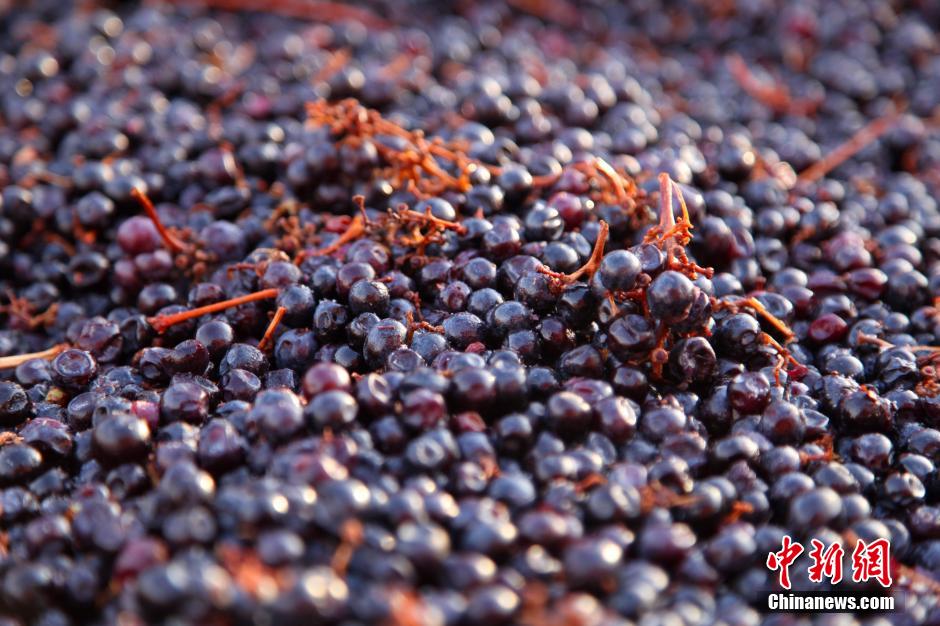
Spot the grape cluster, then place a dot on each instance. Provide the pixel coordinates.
(464, 313)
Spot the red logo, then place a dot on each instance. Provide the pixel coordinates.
(783, 559)
(870, 561)
(826, 563)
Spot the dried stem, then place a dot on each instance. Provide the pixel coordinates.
(828, 451)
(875, 341)
(169, 239)
(672, 236)
(354, 231)
(429, 327)
(20, 309)
(18, 359)
(597, 255)
(415, 163)
(739, 508)
(589, 482)
(8, 438)
(436, 222)
(785, 356)
(866, 135)
(620, 189)
(656, 495)
(407, 609)
(667, 221)
(667, 230)
(557, 11)
(332, 65)
(161, 322)
(250, 574)
(776, 322)
(318, 10)
(396, 66)
(350, 538)
(545, 180)
(614, 187)
(659, 356)
(592, 264)
(929, 386)
(777, 96)
(269, 333)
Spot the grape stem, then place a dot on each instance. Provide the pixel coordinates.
(589, 268)
(318, 10)
(335, 63)
(169, 239)
(929, 386)
(161, 322)
(775, 321)
(615, 179)
(269, 333)
(412, 161)
(866, 135)
(350, 538)
(668, 230)
(437, 222)
(777, 97)
(356, 229)
(557, 12)
(18, 359)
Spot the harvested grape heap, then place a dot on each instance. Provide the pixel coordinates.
(460, 314)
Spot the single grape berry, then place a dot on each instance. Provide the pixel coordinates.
(619, 270)
(670, 297)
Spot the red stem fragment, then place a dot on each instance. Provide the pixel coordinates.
(250, 574)
(776, 322)
(929, 386)
(592, 264)
(414, 162)
(866, 135)
(18, 359)
(668, 230)
(334, 64)
(672, 236)
(396, 66)
(556, 12)
(169, 239)
(784, 355)
(545, 180)
(161, 322)
(318, 10)
(667, 221)
(350, 539)
(739, 508)
(426, 217)
(777, 97)
(659, 356)
(875, 341)
(356, 228)
(615, 179)
(269, 333)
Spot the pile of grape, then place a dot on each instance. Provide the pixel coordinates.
(461, 313)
